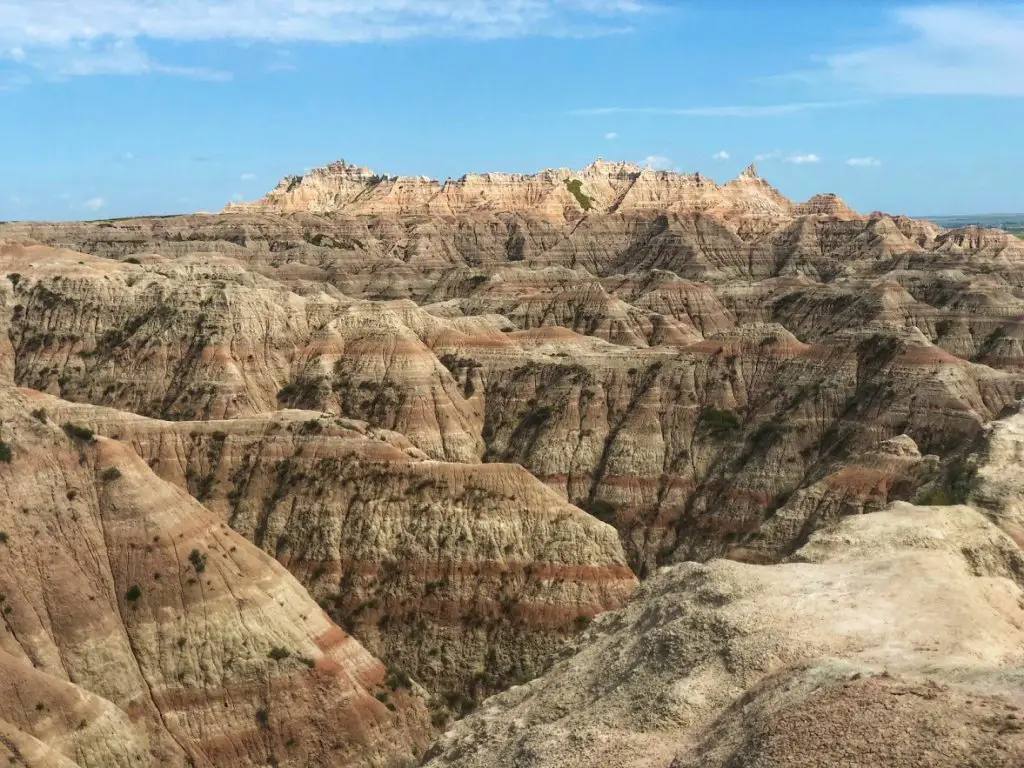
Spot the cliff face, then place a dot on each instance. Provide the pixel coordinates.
(467, 577)
(894, 639)
(555, 194)
(674, 375)
(139, 629)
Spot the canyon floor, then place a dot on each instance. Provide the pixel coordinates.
(610, 467)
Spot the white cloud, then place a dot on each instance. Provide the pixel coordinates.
(84, 37)
(611, 136)
(127, 156)
(768, 110)
(803, 159)
(94, 204)
(723, 155)
(248, 177)
(775, 155)
(945, 49)
(657, 161)
(863, 162)
(100, 56)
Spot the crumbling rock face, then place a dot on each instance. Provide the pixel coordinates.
(684, 415)
(194, 339)
(893, 639)
(467, 577)
(554, 194)
(676, 356)
(425, 401)
(138, 629)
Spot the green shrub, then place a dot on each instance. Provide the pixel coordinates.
(133, 594)
(279, 654)
(39, 414)
(719, 421)
(4, 537)
(110, 474)
(198, 560)
(576, 188)
(768, 433)
(603, 510)
(398, 678)
(5, 453)
(935, 497)
(954, 487)
(75, 432)
(311, 427)
(537, 417)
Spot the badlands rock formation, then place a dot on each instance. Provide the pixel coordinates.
(464, 417)
(467, 577)
(558, 194)
(893, 639)
(139, 629)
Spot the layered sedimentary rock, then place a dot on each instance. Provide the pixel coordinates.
(205, 339)
(893, 639)
(139, 629)
(684, 414)
(466, 577)
(677, 356)
(417, 397)
(557, 194)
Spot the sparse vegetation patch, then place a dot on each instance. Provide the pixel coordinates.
(575, 186)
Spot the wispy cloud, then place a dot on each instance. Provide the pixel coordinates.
(803, 159)
(611, 136)
(248, 177)
(89, 37)
(748, 111)
(94, 204)
(942, 49)
(723, 155)
(863, 162)
(659, 162)
(774, 155)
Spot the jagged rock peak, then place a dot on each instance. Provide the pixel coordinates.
(827, 205)
(750, 172)
(555, 193)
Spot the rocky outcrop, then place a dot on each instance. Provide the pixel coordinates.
(555, 194)
(465, 577)
(139, 629)
(203, 338)
(892, 639)
(684, 415)
(425, 403)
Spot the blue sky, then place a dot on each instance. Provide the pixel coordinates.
(131, 107)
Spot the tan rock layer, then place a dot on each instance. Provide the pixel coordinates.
(465, 576)
(141, 630)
